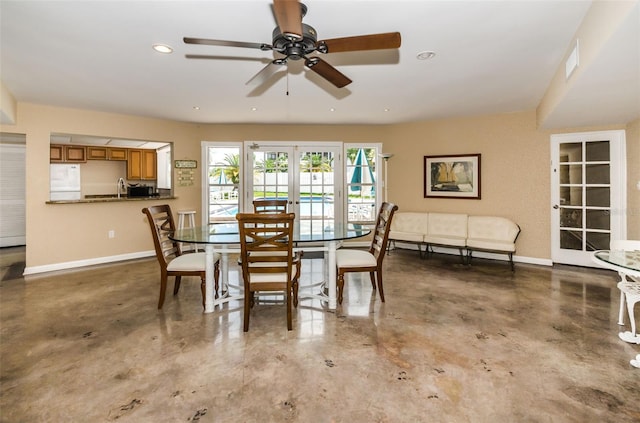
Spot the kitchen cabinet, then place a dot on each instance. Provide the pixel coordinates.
(67, 154)
(117, 153)
(97, 153)
(141, 164)
(56, 153)
(106, 153)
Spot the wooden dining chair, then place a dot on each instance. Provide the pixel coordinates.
(266, 251)
(170, 257)
(350, 260)
(270, 206)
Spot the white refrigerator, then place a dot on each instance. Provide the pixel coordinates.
(65, 182)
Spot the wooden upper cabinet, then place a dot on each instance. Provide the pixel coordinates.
(56, 154)
(67, 153)
(106, 153)
(149, 164)
(97, 153)
(141, 164)
(114, 153)
(134, 164)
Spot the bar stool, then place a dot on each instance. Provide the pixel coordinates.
(187, 217)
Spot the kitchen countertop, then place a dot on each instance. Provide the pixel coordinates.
(111, 199)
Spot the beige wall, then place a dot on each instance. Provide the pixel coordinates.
(515, 173)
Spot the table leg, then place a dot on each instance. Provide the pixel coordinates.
(331, 274)
(209, 272)
(224, 271)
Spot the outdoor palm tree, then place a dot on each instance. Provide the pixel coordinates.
(231, 168)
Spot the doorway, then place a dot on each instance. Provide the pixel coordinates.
(588, 194)
(309, 176)
(12, 189)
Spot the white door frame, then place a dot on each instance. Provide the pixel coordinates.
(618, 182)
(294, 148)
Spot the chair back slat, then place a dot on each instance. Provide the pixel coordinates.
(381, 231)
(162, 225)
(269, 206)
(266, 243)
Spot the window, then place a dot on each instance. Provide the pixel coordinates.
(222, 180)
(361, 182)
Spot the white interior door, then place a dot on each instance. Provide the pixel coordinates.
(12, 193)
(588, 194)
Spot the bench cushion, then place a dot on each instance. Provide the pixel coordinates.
(447, 225)
(492, 233)
(408, 226)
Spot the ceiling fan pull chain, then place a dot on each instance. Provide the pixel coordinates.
(287, 80)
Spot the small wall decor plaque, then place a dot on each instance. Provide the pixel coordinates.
(185, 164)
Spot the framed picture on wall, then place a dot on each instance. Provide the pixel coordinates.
(456, 176)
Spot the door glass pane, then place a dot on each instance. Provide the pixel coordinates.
(316, 189)
(597, 151)
(223, 170)
(571, 196)
(571, 152)
(598, 241)
(597, 174)
(570, 218)
(598, 196)
(361, 182)
(270, 174)
(571, 240)
(598, 219)
(571, 174)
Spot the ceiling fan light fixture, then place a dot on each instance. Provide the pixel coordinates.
(162, 48)
(425, 55)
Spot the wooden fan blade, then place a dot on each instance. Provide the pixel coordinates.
(361, 42)
(266, 72)
(225, 43)
(327, 71)
(289, 17)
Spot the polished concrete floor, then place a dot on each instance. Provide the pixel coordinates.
(451, 344)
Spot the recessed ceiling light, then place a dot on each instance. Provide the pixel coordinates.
(196, 108)
(331, 109)
(425, 55)
(162, 48)
(253, 109)
(386, 109)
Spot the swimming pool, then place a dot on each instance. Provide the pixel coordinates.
(309, 206)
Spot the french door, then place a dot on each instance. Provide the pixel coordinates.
(309, 176)
(588, 194)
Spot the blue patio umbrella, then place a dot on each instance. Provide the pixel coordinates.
(222, 178)
(362, 173)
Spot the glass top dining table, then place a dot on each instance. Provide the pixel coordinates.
(225, 238)
(623, 261)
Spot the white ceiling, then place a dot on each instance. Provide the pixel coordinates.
(491, 57)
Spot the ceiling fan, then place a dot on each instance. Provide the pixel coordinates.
(295, 41)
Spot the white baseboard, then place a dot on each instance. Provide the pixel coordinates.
(32, 270)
